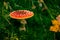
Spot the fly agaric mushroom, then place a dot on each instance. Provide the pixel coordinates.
(21, 15)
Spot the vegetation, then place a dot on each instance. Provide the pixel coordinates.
(37, 27)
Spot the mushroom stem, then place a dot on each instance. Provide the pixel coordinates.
(23, 22)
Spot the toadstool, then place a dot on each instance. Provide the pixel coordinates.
(21, 15)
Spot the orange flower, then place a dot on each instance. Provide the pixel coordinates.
(55, 22)
(58, 19)
(54, 28)
(59, 29)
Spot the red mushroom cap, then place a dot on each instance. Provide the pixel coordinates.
(21, 14)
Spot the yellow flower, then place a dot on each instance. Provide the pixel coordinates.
(54, 28)
(55, 22)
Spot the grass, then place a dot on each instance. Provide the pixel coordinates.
(37, 27)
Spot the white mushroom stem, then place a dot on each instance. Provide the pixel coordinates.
(23, 22)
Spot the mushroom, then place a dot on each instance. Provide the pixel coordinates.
(21, 15)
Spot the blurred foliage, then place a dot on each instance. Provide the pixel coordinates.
(37, 26)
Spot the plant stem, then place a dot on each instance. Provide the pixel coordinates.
(54, 36)
(48, 10)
